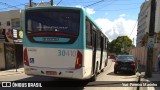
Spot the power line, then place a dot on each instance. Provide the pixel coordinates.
(79, 2)
(5, 4)
(94, 3)
(133, 28)
(14, 6)
(128, 4)
(113, 1)
(59, 2)
(118, 9)
(108, 4)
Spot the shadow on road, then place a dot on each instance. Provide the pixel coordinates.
(56, 83)
(120, 74)
(67, 84)
(45, 88)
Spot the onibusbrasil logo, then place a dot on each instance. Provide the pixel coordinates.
(20, 84)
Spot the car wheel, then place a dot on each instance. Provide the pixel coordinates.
(133, 72)
(115, 71)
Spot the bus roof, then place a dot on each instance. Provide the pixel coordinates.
(47, 7)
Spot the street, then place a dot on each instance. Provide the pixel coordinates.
(42, 41)
(106, 80)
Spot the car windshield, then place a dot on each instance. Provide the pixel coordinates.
(129, 58)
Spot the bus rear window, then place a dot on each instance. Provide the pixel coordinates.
(52, 25)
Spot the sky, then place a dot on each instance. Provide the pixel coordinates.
(114, 17)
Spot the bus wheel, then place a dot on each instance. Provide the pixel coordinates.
(94, 78)
(106, 62)
(103, 70)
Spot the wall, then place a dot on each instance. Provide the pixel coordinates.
(157, 18)
(141, 54)
(7, 59)
(2, 59)
(143, 22)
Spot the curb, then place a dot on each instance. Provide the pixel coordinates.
(11, 72)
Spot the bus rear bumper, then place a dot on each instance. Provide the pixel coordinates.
(59, 73)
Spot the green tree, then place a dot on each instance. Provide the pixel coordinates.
(120, 42)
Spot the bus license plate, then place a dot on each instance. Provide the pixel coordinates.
(51, 72)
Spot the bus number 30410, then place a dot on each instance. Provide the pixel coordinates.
(67, 53)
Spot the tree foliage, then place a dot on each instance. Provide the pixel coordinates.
(120, 42)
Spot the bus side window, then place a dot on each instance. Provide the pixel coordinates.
(88, 34)
(98, 39)
(106, 45)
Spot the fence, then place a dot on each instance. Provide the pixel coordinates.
(141, 54)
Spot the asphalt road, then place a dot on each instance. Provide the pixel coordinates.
(106, 80)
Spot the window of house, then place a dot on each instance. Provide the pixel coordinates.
(8, 23)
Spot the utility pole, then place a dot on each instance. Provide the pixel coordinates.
(30, 3)
(51, 2)
(148, 71)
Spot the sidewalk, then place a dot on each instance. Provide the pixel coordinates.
(155, 77)
(11, 72)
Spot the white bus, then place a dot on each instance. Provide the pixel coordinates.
(63, 42)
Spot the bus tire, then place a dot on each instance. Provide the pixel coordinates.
(103, 69)
(106, 62)
(94, 78)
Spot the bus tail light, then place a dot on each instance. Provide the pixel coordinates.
(25, 57)
(78, 60)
